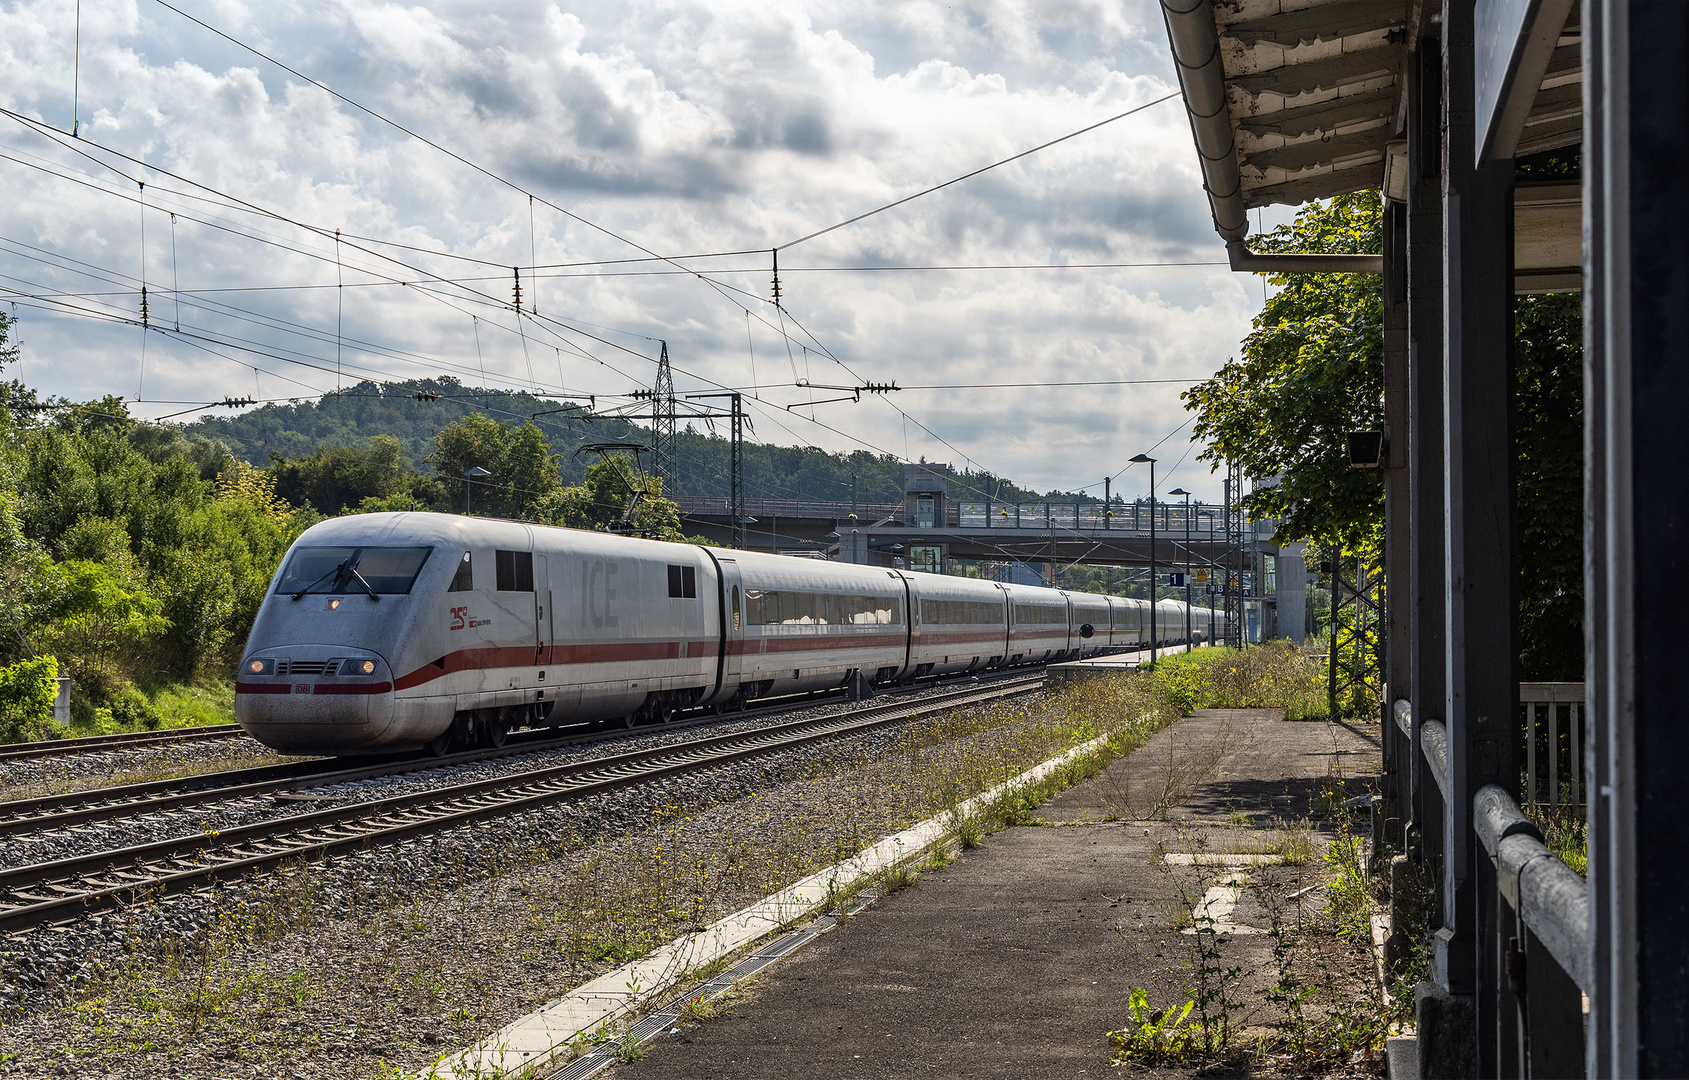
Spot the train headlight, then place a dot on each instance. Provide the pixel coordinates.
(367, 667)
(333, 603)
(260, 667)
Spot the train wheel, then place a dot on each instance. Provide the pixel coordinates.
(440, 743)
(497, 732)
(665, 713)
(630, 720)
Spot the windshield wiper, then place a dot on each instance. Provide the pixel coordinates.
(300, 595)
(370, 589)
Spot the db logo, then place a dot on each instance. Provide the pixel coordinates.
(301, 688)
(459, 615)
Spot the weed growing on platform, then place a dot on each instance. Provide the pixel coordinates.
(1152, 1036)
(1274, 674)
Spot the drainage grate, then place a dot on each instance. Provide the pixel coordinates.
(583, 1067)
(655, 1024)
(786, 944)
(745, 968)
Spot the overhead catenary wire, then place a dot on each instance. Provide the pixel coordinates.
(485, 298)
(533, 253)
(970, 175)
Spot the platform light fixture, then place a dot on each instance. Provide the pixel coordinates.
(1142, 459)
(475, 473)
(1187, 495)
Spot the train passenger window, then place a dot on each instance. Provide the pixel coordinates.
(961, 611)
(464, 579)
(736, 623)
(515, 570)
(771, 607)
(683, 582)
(1040, 615)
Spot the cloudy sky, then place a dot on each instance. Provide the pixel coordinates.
(603, 133)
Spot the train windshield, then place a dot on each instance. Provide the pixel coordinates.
(352, 570)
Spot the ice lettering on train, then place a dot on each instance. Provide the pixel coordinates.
(599, 593)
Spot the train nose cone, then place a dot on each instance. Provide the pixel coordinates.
(303, 700)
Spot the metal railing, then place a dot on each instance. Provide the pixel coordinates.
(722, 506)
(1560, 761)
(1541, 944)
(1206, 522)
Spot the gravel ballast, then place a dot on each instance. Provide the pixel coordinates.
(392, 958)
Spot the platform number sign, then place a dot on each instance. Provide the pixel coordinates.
(1176, 580)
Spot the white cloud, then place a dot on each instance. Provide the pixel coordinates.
(680, 125)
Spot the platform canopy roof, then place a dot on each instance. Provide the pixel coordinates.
(1292, 101)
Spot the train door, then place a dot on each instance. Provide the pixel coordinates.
(543, 618)
(1008, 622)
(1073, 642)
(732, 658)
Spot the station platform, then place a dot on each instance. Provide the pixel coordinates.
(1019, 957)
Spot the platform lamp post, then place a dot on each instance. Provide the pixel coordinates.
(1200, 512)
(475, 473)
(1139, 460)
(1187, 495)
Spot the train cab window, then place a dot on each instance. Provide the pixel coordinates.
(683, 582)
(372, 570)
(515, 570)
(464, 579)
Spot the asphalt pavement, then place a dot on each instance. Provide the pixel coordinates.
(1018, 958)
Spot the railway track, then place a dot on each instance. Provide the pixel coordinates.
(43, 813)
(62, 891)
(121, 741)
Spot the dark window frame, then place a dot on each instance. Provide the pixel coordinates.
(513, 571)
(463, 580)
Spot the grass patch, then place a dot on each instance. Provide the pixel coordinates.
(1565, 830)
(1273, 674)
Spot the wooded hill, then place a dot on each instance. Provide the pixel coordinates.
(350, 418)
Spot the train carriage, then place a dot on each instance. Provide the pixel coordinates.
(809, 625)
(1090, 622)
(1040, 628)
(961, 624)
(391, 631)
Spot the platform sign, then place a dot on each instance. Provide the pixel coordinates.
(1176, 580)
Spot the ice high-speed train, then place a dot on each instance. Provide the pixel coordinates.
(391, 631)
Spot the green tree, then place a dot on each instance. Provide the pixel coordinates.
(602, 501)
(523, 471)
(369, 475)
(1310, 370)
(95, 612)
(1548, 356)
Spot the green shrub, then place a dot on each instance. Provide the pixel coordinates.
(27, 690)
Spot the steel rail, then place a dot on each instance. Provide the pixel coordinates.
(64, 890)
(20, 817)
(121, 740)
